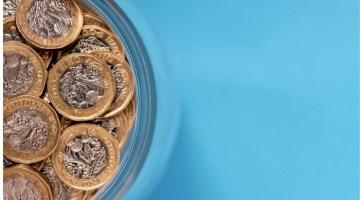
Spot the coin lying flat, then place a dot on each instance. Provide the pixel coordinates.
(94, 38)
(11, 34)
(31, 129)
(9, 8)
(23, 182)
(87, 157)
(49, 24)
(91, 19)
(116, 125)
(81, 87)
(60, 190)
(24, 71)
(124, 80)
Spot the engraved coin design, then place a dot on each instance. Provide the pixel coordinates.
(118, 80)
(26, 130)
(49, 18)
(19, 75)
(61, 190)
(12, 35)
(85, 156)
(9, 8)
(7, 162)
(85, 45)
(81, 86)
(109, 124)
(20, 188)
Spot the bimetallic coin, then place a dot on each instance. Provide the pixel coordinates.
(85, 9)
(124, 80)
(31, 129)
(49, 24)
(94, 38)
(9, 8)
(7, 162)
(24, 71)
(11, 34)
(91, 19)
(61, 190)
(87, 157)
(23, 182)
(81, 87)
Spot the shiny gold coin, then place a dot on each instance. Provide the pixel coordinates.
(94, 38)
(87, 157)
(85, 9)
(7, 163)
(130, 112)
(11, 33)
(48, 25)
(117, 126)
(81, 87)
(22, 179)
(31, 129)
(91, 194)
(60, 190)
(124, 80)
(38, 165)
(91, 19)
(24, 71)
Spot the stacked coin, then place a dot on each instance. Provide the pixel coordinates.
(69, 100)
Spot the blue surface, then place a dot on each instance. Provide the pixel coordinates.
(269, 94)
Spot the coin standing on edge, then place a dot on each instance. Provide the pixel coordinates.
(81, 87)
(94, 38)
(60, 190)
(11, 34)
(31, 129)
(91, 19)
(23, 179)
(87, 157)
(130, 112)
(24, 71)
(49, 25)
(124, 80)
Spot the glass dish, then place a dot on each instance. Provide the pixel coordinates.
(157, 109)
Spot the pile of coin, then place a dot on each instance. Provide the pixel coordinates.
(69, 100)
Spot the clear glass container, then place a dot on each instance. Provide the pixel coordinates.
(155, 128)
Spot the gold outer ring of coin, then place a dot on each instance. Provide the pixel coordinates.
(9, 24)
(91, 19)
(130, 112)
(78, 195)
(85, 9)
(105, 176)
(127, 91)
(40, 42)
(25, 171)
(101, 33)
(122, 131)
(54, 92)
(54, 129)
(39, 67)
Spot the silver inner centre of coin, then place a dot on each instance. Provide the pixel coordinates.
(61, 190)
(81, 86)
(85, 156)
(109, 124)
(118, 80)
(85, 45)
(19, 75)
(9, 8)
(12, 35)
(20, 188)
(26, 130)
(49, 18)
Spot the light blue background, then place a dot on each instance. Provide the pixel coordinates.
(269, 96)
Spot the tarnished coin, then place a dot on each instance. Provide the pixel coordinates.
(60, 190)
(87, 157)
(23, 182)
(49, 24)
(81, 87)
(24, 71)
(9, 8)
(11, 34)
(117, 126)
(130, 112)
(94, 38)
(124, 80)
(91, 19)
(31, 129)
